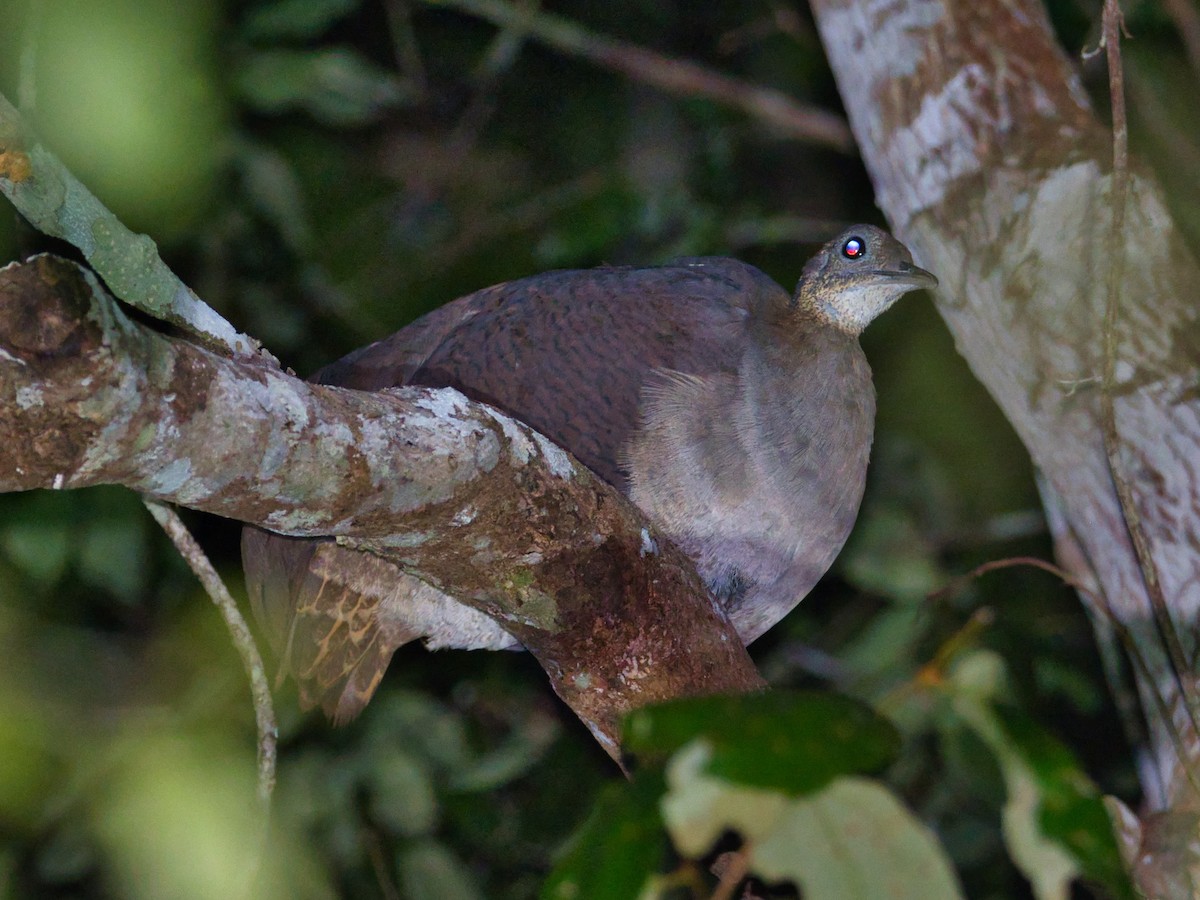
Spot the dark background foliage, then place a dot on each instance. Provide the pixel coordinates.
(324, 171)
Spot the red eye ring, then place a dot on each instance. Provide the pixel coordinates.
(854, 248)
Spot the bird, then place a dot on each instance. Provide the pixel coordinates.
(736, 415)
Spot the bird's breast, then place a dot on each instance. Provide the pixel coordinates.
(758, 475)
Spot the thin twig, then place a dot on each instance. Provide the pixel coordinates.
(1165, 626)
(675, 76)
(1011, 562)
(264, 710)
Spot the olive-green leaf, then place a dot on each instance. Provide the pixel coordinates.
(793, 741)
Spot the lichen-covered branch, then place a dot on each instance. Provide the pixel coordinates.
(56, 203)
(990, 164)
(422, 478)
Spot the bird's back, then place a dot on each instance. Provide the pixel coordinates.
(569, 352)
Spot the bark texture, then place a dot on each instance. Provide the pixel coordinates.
(465, 498)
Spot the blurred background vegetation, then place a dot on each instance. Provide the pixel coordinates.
(324, 171)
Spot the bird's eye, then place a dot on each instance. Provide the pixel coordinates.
(854, 248)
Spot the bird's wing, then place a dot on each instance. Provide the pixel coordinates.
(317, 603)
(569, 352)
(566, 352)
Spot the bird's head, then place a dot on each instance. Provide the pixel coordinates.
(858, 275)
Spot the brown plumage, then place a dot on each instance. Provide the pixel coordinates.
(738, 416)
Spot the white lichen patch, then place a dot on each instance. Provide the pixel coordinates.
(525, 443)
(444, 403)
(557, 460)
(649, 546)
(29, 396)
(519, 444)
(447, 446)
(107, 446)
(206, 320)
(297, 521)
(609, 745)
(632, 671)
(171, 478)
(287, 400)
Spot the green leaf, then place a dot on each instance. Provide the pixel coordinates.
(1071, 810)
(854, 840)
(1054, 820)
(429, 871)
(295, 19)
(432, 732)
(39, 549)
(524, 747)
(113, 555)
(619, 848)
(337, 86)
(402, 793)
(888, 555)
(793, 741)
(273, 189)
(851, 840)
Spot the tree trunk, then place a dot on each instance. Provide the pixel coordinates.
(989, 163)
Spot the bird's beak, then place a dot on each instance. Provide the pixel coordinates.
(910, 274)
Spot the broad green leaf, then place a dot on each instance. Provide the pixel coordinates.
(402, 793)
(855, 841)
(851, 840)
(429, 871)
(1071, 809)
(40, 550)
(795, 741)
(524, 747)
(273, 188)
(888, 555)
(1054, 821)
(698, 808)
(617, 852)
